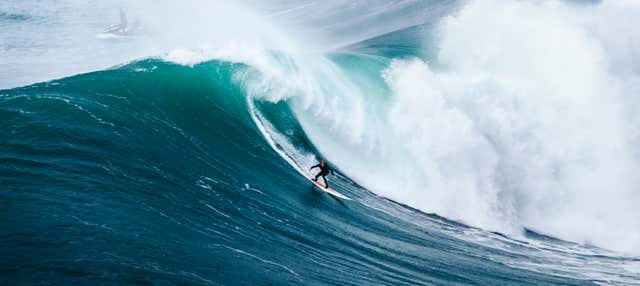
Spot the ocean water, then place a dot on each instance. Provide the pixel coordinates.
(481, 142)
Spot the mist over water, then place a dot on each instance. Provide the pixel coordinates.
(45, 40)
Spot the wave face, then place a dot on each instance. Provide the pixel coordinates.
(157, 173)
(471, 158)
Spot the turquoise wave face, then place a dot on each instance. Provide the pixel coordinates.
(155, 173)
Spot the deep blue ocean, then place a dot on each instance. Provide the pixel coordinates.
(159, 172)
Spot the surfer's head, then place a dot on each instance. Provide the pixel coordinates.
(321, 162)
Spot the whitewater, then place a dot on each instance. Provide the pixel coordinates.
(483, 143)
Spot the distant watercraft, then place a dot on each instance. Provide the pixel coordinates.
(122, 29)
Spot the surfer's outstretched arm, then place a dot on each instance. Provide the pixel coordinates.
(316, 166)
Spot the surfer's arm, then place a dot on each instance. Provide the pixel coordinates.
(316, 166)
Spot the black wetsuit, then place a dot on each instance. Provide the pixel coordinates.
(324, 170)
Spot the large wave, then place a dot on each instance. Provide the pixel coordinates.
(514, 117)
(502, 115)
(526, 120)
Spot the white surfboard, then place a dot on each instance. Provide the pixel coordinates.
(329, 190)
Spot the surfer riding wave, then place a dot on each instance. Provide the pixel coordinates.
(324, 170)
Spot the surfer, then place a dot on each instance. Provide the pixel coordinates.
(324, 170)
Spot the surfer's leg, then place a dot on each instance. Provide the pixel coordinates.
(318, 175)
(326, 185)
